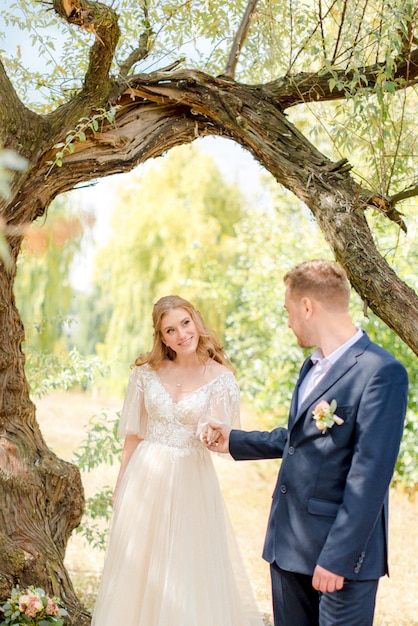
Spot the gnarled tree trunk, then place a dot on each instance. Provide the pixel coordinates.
(41, 496)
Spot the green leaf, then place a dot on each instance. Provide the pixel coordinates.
(331, 83)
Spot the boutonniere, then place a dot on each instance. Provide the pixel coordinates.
(324, 415)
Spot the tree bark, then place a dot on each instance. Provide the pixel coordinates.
(41, 495)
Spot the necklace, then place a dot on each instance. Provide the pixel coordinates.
(195, 377)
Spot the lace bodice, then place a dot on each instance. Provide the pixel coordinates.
(150, 413)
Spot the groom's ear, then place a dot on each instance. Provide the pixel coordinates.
(308, 307)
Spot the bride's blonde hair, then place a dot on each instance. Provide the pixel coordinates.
(208, 346)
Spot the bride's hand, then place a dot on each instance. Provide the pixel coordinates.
(209, 435)
(217, 438)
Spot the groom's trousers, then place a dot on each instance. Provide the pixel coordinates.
(295, 601)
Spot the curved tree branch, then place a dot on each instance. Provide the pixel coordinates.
(164, 109)
(340, 30)
(102, 21)
(12, 114)
(314, 87)
(386, 206)
(409, 192)
(105, 27)
(240, 38)
(142, 51)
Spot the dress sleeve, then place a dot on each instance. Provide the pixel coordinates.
(133, 417)
(224, 405)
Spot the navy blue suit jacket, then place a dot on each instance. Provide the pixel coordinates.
(330, 503)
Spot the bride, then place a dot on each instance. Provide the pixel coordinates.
(172, 558)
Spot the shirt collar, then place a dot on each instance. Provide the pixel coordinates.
(318, 355)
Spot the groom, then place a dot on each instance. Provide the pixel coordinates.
(326, 539)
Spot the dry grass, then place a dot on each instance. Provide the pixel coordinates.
(247, 488)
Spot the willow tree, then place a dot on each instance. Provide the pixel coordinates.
(126, 81)
(184, 231)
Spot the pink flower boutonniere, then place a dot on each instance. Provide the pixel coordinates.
(324, 415)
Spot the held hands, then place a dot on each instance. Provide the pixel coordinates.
(324, 580)
(215, 436)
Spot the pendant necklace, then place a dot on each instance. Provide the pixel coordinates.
(179, 385)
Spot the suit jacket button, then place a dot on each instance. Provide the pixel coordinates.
(283, 489)
(291, 450)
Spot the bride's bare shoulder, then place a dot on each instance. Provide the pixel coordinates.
(217, 368)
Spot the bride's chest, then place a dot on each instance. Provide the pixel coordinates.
(187, 410)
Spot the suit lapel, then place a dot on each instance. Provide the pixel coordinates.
(337, 371)
(294, 405)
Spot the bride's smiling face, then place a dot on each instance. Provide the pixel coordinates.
(179, 332)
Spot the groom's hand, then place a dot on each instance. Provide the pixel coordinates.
(218, 437)
(324, 580)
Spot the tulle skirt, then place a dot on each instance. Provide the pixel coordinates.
(172, 558)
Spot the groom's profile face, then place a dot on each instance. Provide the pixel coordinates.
(296, 317)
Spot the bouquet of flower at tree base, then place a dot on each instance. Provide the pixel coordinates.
(31, 607)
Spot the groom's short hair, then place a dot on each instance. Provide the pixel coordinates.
(322, 279)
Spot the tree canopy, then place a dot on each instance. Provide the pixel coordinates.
(126, 81)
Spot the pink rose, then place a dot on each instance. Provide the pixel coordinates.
(34, 606)
(23, 602)
(51, 607)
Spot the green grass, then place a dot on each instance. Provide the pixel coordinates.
(247, 489)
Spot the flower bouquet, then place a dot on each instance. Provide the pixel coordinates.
(31, 607)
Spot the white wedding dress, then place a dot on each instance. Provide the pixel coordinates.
(172, 558)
